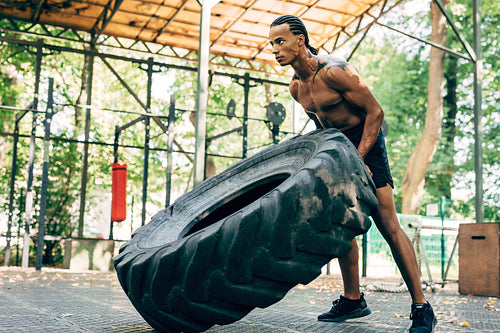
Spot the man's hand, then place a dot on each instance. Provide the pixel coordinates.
(367, 168)
(369, 171)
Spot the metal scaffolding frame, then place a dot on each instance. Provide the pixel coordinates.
(203, 59)
(41, 49)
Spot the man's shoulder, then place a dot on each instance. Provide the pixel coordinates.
(294, 82)
(330, 62)
(293, 87)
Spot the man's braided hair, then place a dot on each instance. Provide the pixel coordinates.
(297, 27)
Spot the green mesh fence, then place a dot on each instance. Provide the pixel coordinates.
(381, 263)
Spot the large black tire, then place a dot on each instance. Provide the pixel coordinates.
(245, 237)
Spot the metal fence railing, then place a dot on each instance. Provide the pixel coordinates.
(435, 243)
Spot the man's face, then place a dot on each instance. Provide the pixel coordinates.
(284, 43)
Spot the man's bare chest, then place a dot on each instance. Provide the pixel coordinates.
(318, 98)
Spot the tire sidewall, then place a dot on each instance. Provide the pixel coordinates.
(282, 160)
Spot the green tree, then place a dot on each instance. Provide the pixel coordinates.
(396, 71)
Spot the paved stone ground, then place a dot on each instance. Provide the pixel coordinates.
(64, 301)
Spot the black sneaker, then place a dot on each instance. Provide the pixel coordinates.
(345, 308)
(423, 318)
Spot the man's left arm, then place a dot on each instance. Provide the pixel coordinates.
(373, 122)
(355, 91)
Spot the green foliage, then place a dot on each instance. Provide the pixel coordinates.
(396, 71)
(464, 179)
(12, 69)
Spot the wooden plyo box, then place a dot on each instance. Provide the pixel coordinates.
(479, 259)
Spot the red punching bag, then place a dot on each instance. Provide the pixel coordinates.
(119, 192)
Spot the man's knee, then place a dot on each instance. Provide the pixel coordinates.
(388, 226)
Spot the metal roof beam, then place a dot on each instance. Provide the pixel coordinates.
(105, 20)
(162, 30)
(443, 48)
(459, 35)
(238, 19)
(367, 12)
(36, 10)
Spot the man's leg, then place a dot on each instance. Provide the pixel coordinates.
(422, 314)
(349, 268)
(401, 247)
(352, 304)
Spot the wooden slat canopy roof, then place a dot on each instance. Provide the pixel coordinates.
(238, 30)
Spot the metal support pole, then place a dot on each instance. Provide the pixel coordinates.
(364, 247)
(29, 194)
(84, 180)
(246, 87)
(443, 249)
(202, 94)
(275, 130)
(170, 148)
(145, 171)
(478, 112)
(115, 144)
(295, 117)
(147, 125)
(13, 170)
(45, 176)
(451, 257)
(31, 159)
(132, 216)
(19, 225)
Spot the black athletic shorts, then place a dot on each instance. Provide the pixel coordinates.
(376, 159)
